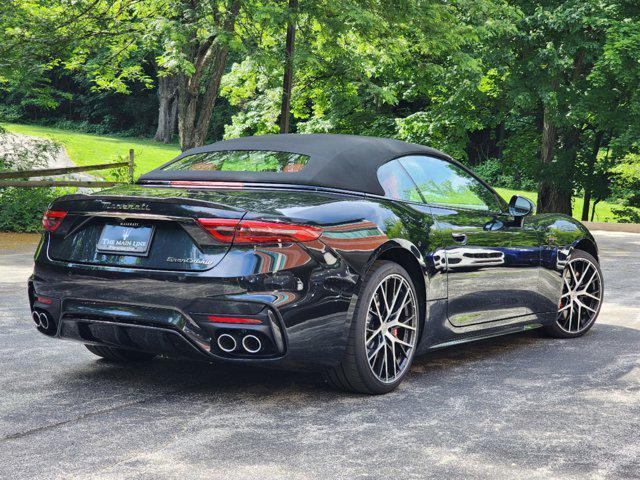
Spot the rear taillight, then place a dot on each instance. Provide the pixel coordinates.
(222, 229)
(235, 320)
(52, 219)
(254, 231)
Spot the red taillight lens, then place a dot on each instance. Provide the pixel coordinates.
(222, 229)
(52, 219)
(254, 231)
(236, 320)
(250, 231)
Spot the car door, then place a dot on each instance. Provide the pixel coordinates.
(492, 262)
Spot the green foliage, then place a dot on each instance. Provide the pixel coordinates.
(475, 78)
(21, 209)
(626, 183)
(627, 214)
(99, 37)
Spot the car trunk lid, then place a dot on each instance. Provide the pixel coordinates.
(140, 228)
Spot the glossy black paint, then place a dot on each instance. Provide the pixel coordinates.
(508, 276)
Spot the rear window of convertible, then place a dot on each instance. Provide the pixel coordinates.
(241, 161)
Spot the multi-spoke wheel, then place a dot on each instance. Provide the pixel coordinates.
(384, 332)
(581, 297)
(391, 326)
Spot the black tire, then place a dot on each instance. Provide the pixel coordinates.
(353, 374)
(554, 330)
(120, 354)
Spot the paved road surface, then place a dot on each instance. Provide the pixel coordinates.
(514, 407)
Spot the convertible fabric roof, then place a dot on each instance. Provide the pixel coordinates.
(346, 162)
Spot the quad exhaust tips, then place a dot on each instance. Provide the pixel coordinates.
(250, 343)
(41, 319)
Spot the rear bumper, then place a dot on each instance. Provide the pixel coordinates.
(159, 340)
(304, 317)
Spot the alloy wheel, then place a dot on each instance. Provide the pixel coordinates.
(391, 328)
(581, 296)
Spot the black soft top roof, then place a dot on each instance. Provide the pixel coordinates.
(346, 162)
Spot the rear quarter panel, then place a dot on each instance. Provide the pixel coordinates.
(560, 235)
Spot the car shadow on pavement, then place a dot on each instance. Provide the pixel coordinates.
(601, 356)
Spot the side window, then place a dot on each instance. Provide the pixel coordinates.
(396, 182)
(443, 183)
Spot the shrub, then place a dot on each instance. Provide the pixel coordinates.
(21, 209)
(627, 214)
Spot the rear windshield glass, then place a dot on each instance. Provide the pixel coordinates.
(242, 161)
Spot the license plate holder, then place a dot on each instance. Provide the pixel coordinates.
(125, 239)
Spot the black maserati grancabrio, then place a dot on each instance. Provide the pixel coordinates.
(343, 254)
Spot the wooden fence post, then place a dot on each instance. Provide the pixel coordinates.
(131, 165)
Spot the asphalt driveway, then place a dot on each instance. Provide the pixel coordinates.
(521, 406)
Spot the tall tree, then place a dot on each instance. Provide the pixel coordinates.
(559, 46)
(197, 38)
(287, 80)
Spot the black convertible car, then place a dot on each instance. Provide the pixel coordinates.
(343, 254)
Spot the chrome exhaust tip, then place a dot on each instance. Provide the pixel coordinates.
(36, 318)
(227, 343)
(251, 343)
(44, 320)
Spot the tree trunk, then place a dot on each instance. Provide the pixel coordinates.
(287, 80)
(585, 205)
(597, 142)
(195, 105)
(593, 210)
(168, 110)
(551, 198)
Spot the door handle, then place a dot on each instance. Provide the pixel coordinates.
(460, 238)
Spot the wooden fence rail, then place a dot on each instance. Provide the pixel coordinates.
(6, 177)
(58, 183)
(60, 171)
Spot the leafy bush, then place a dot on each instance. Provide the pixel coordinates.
(9, 113)
(626, 189)
(21, 209)
(627, 214)
(74, 126)
(105, 128)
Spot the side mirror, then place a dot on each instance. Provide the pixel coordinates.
(520, 207)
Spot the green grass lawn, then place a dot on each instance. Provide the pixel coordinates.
(89, 149)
